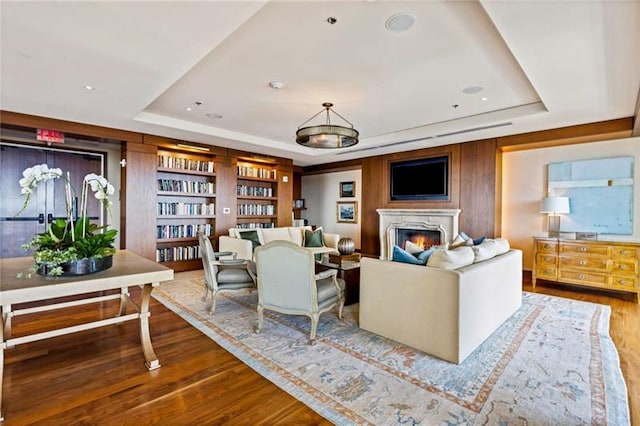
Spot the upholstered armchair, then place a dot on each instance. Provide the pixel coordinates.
(288, 283)
(224, 275)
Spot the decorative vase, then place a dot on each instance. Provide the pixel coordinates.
(80, 267)
(346, 245)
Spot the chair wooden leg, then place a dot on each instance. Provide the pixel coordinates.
(214, 297)
(206, 293)
(340, 306)
(260, 318)
(314, 326)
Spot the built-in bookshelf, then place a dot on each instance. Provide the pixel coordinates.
(256, 195)
(186, 205)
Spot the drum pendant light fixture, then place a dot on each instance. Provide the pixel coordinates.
(327, 135)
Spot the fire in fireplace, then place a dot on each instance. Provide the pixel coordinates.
(424, 238)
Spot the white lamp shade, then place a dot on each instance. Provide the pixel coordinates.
(555, 205)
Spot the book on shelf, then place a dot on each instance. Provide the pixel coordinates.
(180, 163)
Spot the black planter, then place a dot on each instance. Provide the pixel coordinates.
(80, 267)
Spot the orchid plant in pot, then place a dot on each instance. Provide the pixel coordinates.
(71, 246)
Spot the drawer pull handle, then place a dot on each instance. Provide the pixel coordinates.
(547, 246)
(623, 267)
(581, 276)
(548, 259)
(583, 262)
(624, 251)
(623, 282)
(583, 249)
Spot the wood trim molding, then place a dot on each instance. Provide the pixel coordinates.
(636, 118)
(68, 127)
(592, 132)
(340, 166)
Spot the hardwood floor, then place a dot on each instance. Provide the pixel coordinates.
(98, 377)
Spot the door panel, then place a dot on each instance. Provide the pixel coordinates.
(47, 201)
(18, 230)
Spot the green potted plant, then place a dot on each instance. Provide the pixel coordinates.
(70, 246)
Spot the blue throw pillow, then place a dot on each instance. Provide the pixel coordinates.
(423, 257)
(400, 255)
(478, 241)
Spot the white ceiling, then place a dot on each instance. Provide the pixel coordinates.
(541, 64)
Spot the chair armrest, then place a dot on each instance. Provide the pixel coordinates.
(326, 274)
(237, 245)
(219, 254)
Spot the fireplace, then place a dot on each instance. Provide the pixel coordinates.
(439, 225)
(423, 238)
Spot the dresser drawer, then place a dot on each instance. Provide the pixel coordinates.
(584, 249)
(624, 282)
(546, 260)
(624, 252)
(583, 277)
(546, 247)
(546, 273)
(596, 263)
(619, 266)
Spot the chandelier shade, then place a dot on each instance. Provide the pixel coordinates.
(327, 135)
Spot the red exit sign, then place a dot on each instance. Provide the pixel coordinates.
(50, 136)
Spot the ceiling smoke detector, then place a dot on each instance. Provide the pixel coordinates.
(276, 85)
(400, 22)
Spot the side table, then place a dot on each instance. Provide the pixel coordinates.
(350, 273)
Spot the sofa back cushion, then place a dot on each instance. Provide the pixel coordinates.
(451, 259)
(485, 250)
(275, 234)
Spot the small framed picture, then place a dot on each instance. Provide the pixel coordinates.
(347, 189)
(347, 211)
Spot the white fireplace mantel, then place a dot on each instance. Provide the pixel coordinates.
(443, 220)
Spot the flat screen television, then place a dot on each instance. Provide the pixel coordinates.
(423, 179)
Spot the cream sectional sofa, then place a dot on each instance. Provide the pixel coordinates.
(447, 313)
(295, 234)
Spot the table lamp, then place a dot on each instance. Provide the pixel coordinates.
(554, 206)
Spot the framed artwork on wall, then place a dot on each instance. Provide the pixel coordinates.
(347, 211)
(347, 189)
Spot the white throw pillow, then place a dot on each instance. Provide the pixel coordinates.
(412, 248)
(451, 259)
(485, 250)
(460, 240)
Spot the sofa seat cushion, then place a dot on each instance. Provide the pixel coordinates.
(229, 277)
(451, 259)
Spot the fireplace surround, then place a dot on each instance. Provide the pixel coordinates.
(443, 221)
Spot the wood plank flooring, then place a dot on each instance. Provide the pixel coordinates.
(98, 377)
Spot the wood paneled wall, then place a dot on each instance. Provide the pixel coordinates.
(473, 183)
(138, 199)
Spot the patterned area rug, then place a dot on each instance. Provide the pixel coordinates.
(553, 362)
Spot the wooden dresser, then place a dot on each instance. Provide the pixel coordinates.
(601, 264)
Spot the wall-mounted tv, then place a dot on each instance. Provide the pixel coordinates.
(423, 179)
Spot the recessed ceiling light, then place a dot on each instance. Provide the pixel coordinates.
(276, 85)
(212, 115)
(89, 87)
(400, 22)
(484, 99)
(472, 89)
(188, 108)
